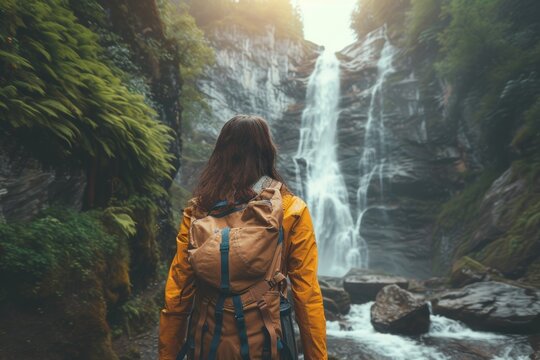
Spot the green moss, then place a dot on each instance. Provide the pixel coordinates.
(61, 272)
(515, 250)
(532, 276)
(134, 316)
(464, 207)
(44, 257)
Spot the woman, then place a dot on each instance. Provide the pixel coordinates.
(242, 161)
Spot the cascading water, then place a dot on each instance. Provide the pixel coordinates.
(341, 246)
(318, 173)
(374, 155)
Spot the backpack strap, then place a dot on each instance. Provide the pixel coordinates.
(201, 327)
(224, 291)
(269, 325)
(241, 324)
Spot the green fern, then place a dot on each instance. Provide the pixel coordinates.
(54, 81)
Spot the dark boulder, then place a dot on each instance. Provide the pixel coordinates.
(492, 306)
(335, 299)
(397, 311)
(363, 285)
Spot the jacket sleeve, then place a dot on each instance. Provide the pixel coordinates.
(307, 297)
(179, 293)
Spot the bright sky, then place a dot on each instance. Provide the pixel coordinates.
(326, 22)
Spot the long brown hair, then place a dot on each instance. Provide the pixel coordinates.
(244, 152)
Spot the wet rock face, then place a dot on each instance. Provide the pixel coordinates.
(259, 74)
(363, 286)
(27, 186)
(492, 306)
(416, 152)
(397, 311)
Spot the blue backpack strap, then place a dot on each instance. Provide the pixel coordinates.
(224, 288)
(219, 325)
(218, 204)
(239, 316)
(224, 250)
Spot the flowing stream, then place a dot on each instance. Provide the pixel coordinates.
(355, 338)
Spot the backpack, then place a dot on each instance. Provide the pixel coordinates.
(236, 255)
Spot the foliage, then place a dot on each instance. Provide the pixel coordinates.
(369, 15)
(512, 252)
(47, 255)
(135, 315)
(490, 50)
(424, 22)
(55, 86)
(194, 55)
(465, 205)
(253, 15)
(120, 219)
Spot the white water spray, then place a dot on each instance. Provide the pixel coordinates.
(341, 246)
(317, 170)
(375, 155)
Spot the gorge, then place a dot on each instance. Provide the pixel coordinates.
(415, 147)
(369, 140)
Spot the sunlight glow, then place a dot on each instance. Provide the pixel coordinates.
(326, 22)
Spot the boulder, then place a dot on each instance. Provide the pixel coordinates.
(466, 270)
(331, 309)
(397, 311)
(340, 300)
(492, 306)
(363, 285)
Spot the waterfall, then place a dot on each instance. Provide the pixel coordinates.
(322, 185)
(338, 232)
(374, 154)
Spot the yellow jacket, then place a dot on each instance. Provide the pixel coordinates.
(300, 257)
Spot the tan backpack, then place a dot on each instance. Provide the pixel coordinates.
(236, 257)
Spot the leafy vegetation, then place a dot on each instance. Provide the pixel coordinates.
(252, 15)
(194, 55)
(369, 15)
(466, 205)
(60, 99)
(72, 248)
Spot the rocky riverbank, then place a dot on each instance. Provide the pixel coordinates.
(378, 316)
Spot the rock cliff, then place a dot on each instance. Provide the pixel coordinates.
(262, 74)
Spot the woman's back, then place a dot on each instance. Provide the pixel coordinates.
(299, 263)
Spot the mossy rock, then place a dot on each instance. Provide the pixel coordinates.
(466, 270)
(532, 276)
(519, 247)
